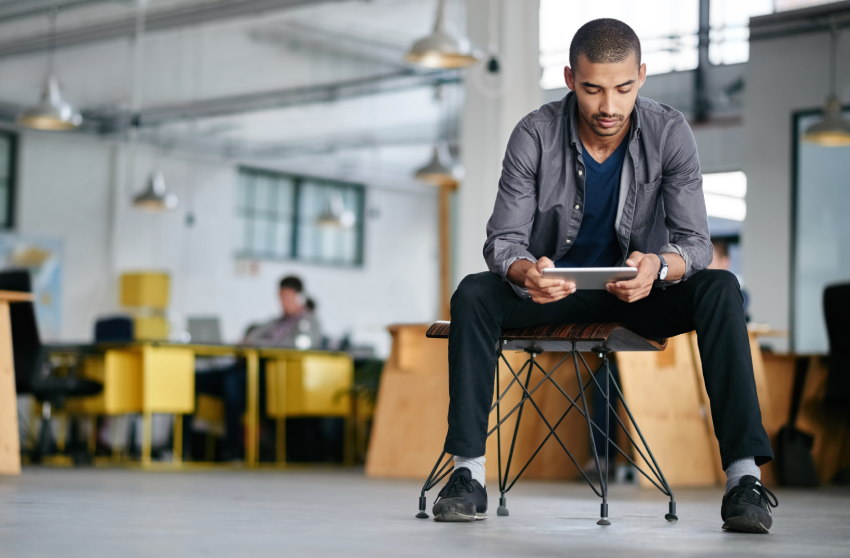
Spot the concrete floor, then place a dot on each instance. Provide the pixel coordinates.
(340, 513)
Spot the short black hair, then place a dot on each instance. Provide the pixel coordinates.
(604, 41)
(292, 282)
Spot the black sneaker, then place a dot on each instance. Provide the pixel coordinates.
(462, 499)
(746, 508)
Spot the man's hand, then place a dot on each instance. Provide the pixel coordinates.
(529, 275)
(639, 287)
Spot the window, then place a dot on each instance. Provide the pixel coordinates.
(284, 216)
(667, 31)
(725, 195)
(8, 144)
(820, 253)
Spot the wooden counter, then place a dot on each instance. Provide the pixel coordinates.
(10, 451)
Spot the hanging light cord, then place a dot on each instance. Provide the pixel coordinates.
(51, 43)
(833, 59)
(493, 24)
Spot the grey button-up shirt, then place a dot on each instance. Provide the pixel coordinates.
(540, 203)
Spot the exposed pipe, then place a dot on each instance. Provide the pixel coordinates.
(156, 21)
(702, 104)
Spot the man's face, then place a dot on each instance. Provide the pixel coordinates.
(290, 302)
(606, 93)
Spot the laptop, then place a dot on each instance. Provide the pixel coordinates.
(204, 330)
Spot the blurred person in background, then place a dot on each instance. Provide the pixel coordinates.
(297, 328)
(722, 260)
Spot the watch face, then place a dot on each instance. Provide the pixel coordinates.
(663, 273)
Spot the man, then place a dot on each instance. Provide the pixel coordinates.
(297, 328)
(604, 178)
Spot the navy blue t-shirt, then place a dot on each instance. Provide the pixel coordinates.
(596, 244)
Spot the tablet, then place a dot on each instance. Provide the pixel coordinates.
(587, 278)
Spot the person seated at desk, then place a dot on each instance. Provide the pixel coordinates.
(297, 328)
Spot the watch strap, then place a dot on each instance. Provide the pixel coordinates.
(663, 266)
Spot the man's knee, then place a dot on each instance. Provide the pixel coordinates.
(720, 286)
(475, 289)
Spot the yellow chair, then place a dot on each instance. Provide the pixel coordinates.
(142, 379)
(310, 385)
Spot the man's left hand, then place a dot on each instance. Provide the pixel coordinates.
(639, 287)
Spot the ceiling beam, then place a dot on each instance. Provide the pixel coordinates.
(397, 80)
(155, 20)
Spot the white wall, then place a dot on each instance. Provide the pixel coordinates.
(489, 119)
(784, 75)
(71, 186)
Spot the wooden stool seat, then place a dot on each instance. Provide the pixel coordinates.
(561, 337)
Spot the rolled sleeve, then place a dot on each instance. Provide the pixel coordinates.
(516, 203)
(684, 201)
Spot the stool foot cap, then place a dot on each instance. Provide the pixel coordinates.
(502, 511)
(422, 515)
(671, 517)
(603, 521)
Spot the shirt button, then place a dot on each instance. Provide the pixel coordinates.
(576, 206)
(580, 172)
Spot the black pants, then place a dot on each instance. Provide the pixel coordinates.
(709, 302)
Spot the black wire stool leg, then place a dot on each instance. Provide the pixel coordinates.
(502, 510)
(603, 478)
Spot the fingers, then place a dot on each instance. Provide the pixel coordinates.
(544, 262)
(629, 295)
(544, 296)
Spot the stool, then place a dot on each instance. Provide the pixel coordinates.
(572, 339)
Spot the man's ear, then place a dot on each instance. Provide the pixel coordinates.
(641, 75)
(569, 78)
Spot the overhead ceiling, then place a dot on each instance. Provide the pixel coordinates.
(265, 78)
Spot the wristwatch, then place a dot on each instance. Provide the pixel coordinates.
(662, 273)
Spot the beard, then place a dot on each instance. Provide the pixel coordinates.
(605, 132)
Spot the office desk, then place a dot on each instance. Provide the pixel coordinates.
(158, 377)
(10, 451)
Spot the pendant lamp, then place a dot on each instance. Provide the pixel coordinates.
(436, 172)
(52, 112)
(155, 197)
(440, 49)
(833, 130)
(335, 215)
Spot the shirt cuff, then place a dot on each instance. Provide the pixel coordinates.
(521, 292)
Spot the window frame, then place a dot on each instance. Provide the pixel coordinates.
(8, 222)
(298, 184)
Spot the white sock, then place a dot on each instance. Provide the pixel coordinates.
(475, 466)
(740, 468)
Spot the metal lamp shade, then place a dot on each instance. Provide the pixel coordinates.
(435, 172)
(336, 216)
(53, 112)
(155, 197)
(833, 130)
(440, 49)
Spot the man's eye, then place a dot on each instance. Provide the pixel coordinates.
(592, 91)
(625, 90)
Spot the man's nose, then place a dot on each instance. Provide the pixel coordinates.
(607, 107)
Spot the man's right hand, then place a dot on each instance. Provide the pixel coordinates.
(530, 275)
